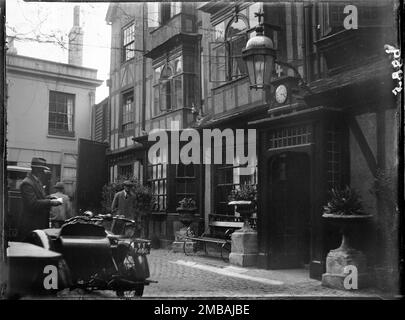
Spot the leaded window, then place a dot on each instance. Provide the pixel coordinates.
(289, 137)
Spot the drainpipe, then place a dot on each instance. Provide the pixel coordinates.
(143, 69)
(3, 244)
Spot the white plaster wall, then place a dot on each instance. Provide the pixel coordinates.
(27, 116)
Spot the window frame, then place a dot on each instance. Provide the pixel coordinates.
(127, 121)
(130, 45)
(228, 57)
(221, 205)
(154, 183)
(61, 132)
(168, 10)
(181, 82)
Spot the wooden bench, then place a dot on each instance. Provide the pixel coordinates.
(229, 223)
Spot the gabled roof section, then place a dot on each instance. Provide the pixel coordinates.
(111, 13)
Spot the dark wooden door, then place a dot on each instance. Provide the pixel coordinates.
(289, 209)
(91, 175)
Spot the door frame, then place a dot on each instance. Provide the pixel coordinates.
(266, 245)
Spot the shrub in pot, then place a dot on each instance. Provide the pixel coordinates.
(186, 210)
(244, 199)
(345, 210)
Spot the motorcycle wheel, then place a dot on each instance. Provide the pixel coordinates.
(127, 268)
(137, 292)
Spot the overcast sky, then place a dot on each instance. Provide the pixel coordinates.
(37, 24)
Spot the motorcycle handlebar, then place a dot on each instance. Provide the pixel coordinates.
(100, 217)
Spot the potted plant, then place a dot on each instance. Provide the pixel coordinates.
(186, 210)
(244, 199)
(345, 210)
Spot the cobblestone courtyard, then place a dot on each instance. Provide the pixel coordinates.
(181, 276)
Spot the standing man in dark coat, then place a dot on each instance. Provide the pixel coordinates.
(36, 205)
(124, 202)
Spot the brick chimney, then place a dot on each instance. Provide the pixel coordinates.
(76, 39)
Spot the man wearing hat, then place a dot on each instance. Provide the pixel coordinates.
(35, 203)
(124, 201)
(61, 213)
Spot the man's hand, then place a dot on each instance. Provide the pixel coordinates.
(56, 202)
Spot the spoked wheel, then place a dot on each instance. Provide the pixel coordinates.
(189, 246)
(225, 251)
(137, 292)
(127, 269)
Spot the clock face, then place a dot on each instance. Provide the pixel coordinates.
(281, 93)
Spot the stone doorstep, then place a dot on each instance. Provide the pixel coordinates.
(243, 259)
(336, 281)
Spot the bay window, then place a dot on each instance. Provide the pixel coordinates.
(173, 84)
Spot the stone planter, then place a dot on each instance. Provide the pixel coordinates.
(244, 209)
(244, 246)
(186, 217)
(339, 261)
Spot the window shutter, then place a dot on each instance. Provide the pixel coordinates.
(217, 61)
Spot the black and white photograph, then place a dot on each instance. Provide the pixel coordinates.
(206, 150)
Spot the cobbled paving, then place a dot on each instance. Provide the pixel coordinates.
(179, 281)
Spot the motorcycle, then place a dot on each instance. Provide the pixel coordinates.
(99, 252)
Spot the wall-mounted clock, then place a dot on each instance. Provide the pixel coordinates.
(286, 95)
(281, 93)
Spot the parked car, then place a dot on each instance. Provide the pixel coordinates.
(15, 175)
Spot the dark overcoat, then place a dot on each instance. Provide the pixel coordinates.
(36, 207)
(124, 205)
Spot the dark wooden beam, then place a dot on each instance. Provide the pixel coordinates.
(364, 147)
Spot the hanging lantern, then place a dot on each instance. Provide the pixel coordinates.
(259, 56)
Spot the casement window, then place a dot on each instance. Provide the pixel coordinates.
(173, 84)
(128, 42)
(186, 182)
(167, 10)
(226, 62)
(229, 39)
(61, 113)
(370, 14)
(127, 112)
(229, 177)
(157, 180)
(125, 171)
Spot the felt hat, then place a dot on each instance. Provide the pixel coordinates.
(39, 163)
